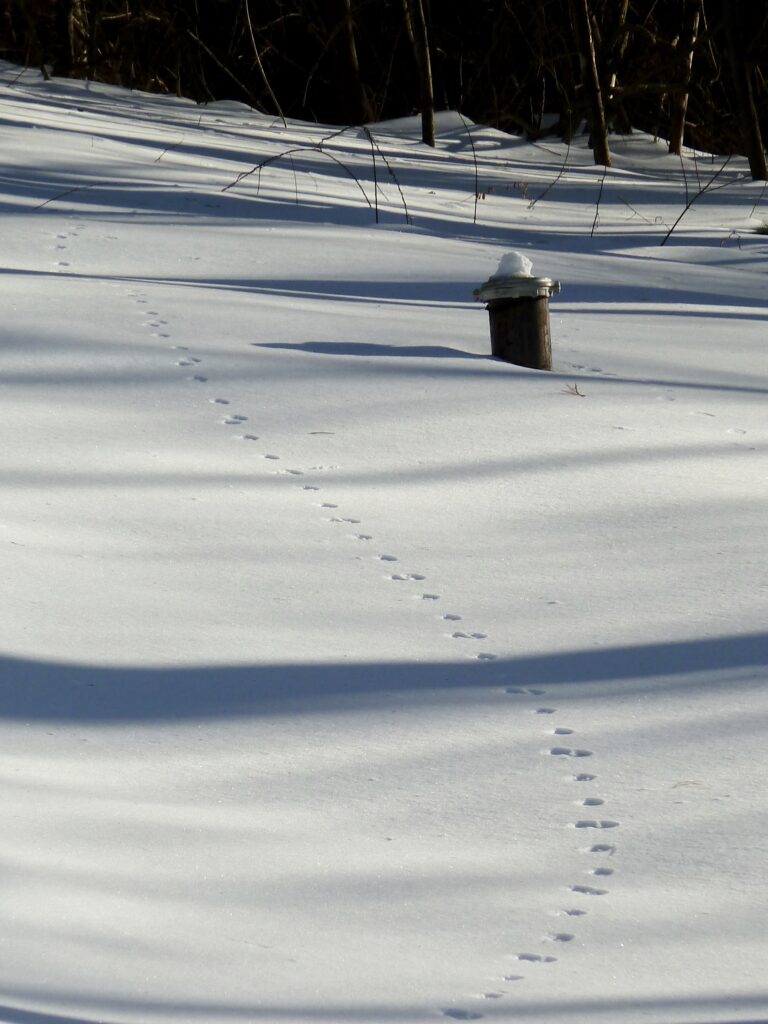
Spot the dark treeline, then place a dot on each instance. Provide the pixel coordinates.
(690, 71)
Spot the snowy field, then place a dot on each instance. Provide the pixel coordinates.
(348, 674)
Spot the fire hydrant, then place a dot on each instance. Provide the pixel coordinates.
(518, 310)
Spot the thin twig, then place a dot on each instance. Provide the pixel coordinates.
(696, 167)
(260, 66)
(685, 176)
(20, 75)
(552, 184)
(295, 181)
(597, 204)
(474, 160)
(334, 135)
(289, 152)
(221, 66)
(709, 187)
(69, 192)
(655, 222)
(391, 173)
(375, 179)
(169, 148)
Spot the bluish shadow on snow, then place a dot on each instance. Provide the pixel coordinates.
(49, 691)
(729, 1008)
(362, 348)
(682, 309)
(663, 298)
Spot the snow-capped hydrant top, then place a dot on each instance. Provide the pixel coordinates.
(514, 280)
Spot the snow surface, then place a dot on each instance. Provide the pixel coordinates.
(350, 674)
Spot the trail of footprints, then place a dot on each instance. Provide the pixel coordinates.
(598, 871)
(596, 866)
(185, 359)
(61, 242)
(581, 891)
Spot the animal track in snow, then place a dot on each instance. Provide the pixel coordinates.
(274, 458)
(563, 732)
(573, 912)
(513, 977)
(310, 487)
(545, 711)
(386, 558)
(461, 1014)
(485, 656)
(452, 618)
(592, 801)
(536, 958)
(469, 636)
(363, 536)
(588, 890)
(430, 597)
(570, 752)
(602, 872)
(608, 848)
(562, 937)
(247, 437)
(343, 519)
(219, 401)
(520, 691)
(199, 378)
(407, 577)
(584, 777)
(594, 823)
(188, 362)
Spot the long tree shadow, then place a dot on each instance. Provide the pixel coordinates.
(714, 1009)
(366, 348)
(45, 690)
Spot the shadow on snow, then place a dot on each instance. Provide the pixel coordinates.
(49, 691)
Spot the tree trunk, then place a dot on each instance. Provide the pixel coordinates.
(615, 114)
(78, 31)
(416, 26)
(260, 65)
(685, 46)
(360, 101)
(741, 72)
(591, 80)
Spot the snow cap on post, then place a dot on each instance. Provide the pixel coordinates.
(513, 264)
(514, 280)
